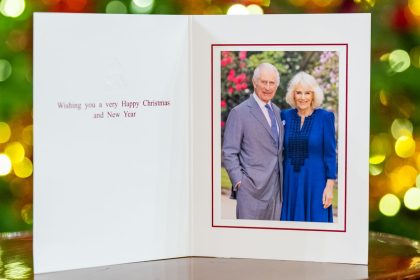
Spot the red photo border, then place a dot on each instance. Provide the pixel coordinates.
(212, 138)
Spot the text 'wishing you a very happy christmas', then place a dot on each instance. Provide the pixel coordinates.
(113, 109)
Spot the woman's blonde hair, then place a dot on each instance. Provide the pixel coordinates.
(306, 80)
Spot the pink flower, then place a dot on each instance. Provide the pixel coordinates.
(226, 61)
(223, 103)
(242, 64)
(230, 90)
(222, 124)
(244, 86)
(242, 55)
(231, 76)
(238, 87)
(240, 78)
(225, 54)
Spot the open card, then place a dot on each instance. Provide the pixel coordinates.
(128, 122)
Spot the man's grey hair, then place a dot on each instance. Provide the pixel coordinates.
(266, 66)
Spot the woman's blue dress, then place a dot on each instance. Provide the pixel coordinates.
(309, 160)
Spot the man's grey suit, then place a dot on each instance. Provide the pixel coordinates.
(252, 156)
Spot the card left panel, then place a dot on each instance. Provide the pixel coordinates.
(111, 127)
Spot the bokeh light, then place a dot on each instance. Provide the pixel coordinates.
(27, 135)
(5, 165)
(405, 147)
(116, 7)
(17, 40)
(418, 181)
(12, 8)
(414, 6)
(399, 61)
(237, 9)
(389, 205)
(75, 5)
(23, 168)
(383, 97)
(322, 3)
(142, 6)
(15, 151)
(371, 2)
(412, 199)
(255, 9)
(5, 70)
(407, 175)
(5, 132)
(26, 213)
(376, 159)
(380, 148)
(375, 170)
(401, 127)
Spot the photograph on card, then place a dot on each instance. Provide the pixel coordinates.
(279, 136)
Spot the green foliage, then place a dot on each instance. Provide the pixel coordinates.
(237, 70)
(226, 184)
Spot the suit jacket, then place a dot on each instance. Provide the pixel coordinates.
(249, 150)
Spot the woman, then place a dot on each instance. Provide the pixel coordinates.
(310, 163)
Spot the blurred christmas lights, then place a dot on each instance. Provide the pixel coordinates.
(255, 9)
(5, 132)
(15, 151)
(23, 168)
(375, 170)
(401, 127)
(12, 8)
(142, 6)
(237, 9)
(27, 135)
(405, 146)
(389, 205)
(5, 165)
(75, 5)
(399, 61)
(5, 70)
(412, 199)
(26, 213)
(414, 6)
(116, 7)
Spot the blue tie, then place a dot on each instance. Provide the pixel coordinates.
(274, 130)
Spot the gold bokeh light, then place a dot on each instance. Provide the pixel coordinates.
(5, 132)
(23, 168)
(405, 147)
(389, 205)
(15, 151)
(5, 165)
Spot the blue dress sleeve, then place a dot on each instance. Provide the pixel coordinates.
(330, 155)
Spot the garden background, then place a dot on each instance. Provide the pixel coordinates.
(237, 68)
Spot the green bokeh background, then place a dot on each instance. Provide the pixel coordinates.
(395, 91)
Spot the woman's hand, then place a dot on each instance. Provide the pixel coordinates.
(328, 194)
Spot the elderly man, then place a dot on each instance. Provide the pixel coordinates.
(252, 149)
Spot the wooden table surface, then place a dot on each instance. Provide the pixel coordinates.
(389, 257)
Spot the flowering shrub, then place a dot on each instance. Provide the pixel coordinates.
(237, 68)
(326, 73)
